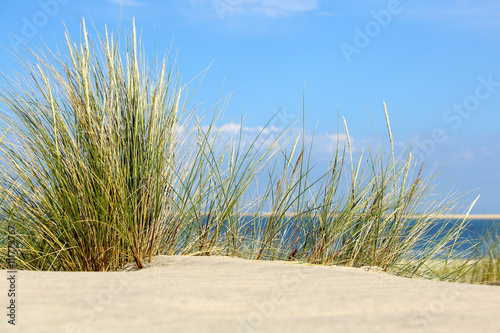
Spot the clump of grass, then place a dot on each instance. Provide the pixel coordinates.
(97, 172)
(379, 213)
(86, 174)
(485, 270)
(482, 265)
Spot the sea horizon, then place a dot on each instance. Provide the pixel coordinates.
(438, 216)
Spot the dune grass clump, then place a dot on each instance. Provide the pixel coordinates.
(378, 213)
(483, 263)
(87, 169)
(486, 270)
(102, 165)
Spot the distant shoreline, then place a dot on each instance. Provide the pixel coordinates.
(442, 216)
(471, 216)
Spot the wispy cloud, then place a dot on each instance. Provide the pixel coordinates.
(280, 7)
(461, 13)
(127, 3)
(324, 144)
(264, 137)
(270, 8)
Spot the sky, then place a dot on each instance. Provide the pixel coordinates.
(435, 64)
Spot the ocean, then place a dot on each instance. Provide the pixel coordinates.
(479, 230)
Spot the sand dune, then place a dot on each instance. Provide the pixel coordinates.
(220, 294)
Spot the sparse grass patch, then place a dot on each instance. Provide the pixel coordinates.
(482, 267)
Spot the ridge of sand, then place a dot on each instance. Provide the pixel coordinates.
(222, 294)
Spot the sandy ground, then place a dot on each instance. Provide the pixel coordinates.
(220, 294)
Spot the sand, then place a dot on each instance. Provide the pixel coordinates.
(221, 294)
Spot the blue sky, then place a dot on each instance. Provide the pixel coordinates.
(435, 64)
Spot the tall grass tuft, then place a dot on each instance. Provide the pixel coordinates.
(103, 165)
(86, 174)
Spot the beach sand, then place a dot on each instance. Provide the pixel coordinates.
(222, 294)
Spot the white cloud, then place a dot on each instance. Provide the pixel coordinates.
(282, 8)
(259, 136)
(467, 154)
(127, 3)
(323, 146)
(270, 8)
(462, 13)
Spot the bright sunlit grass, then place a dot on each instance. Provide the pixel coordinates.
(103, 165)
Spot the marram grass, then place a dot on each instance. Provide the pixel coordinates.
(86, 177)
(102, 165)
